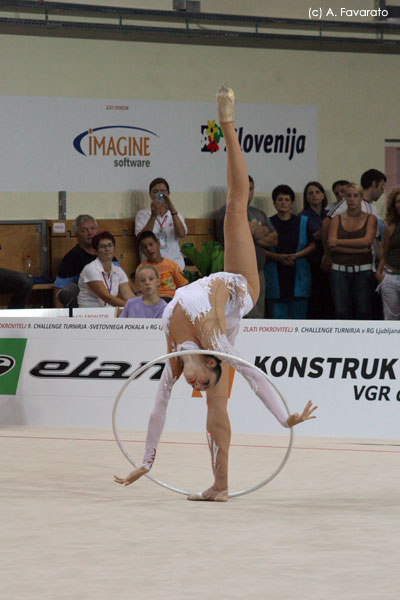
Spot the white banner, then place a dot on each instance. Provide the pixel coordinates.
(71, 371)
(82, 144)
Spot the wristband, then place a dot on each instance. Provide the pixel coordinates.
(174, 214)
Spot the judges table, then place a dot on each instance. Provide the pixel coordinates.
(63, 371)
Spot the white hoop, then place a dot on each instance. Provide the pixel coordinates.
(221, 355)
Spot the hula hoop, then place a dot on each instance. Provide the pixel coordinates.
(221, 355)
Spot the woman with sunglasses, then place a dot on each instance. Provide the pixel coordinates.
(102, 282)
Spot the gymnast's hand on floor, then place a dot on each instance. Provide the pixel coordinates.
(133, 476)
(306, 415)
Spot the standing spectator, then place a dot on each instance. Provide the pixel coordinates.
(350, 238)
(338, 188)
(388, 272)
(374, 182)
(287, 271)
(149, 305)
(84, 228)
(314, 202)
(163, 220)
(264, 236)
(101, 281)
(170, 275)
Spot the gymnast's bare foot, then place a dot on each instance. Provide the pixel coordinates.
(210, 495)
(226, 104)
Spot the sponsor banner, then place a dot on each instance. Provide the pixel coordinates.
(83, 144)
(11, 357)
(73, 370)
(98, 312)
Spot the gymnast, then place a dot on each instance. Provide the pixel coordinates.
(206, 315)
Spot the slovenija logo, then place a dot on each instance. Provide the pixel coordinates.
(211, 135)
(288, 143)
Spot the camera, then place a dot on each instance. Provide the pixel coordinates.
(159, 196)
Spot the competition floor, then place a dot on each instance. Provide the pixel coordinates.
(328, 527)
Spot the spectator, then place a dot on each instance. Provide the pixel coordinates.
(388, 272)
(149, 305)
(164, 221)
(101, 281)
(84, 228)
(15, 283)
(170, 275)
(264, 236)
(350, 238)
(338, 188)
(374, 182)
(287, 272)
(314, 202)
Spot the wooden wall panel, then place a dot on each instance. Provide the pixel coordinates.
(17, 240)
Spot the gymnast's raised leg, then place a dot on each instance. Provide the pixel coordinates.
(240, 257)
(240, 254)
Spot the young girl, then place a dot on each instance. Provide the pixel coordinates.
(206, 314)
(149, 305)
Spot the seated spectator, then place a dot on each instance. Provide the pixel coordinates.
(84, 228)
(164, 221)
(169, 273)
(287, 272)
(101, 281)
(350, 238)
(388, 272)
(149, 305)
(314, 202)
(15, 283)
(264, 236)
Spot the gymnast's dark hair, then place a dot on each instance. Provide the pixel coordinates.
(217, 369)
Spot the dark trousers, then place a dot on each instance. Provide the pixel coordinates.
(320, 305)
(352, 294)
(17, 284)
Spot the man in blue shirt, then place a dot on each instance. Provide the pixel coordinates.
(84, 228)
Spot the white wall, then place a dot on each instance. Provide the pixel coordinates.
(355, 94)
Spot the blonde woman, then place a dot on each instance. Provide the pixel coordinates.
(350, 239)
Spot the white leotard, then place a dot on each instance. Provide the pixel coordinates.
(195, 301)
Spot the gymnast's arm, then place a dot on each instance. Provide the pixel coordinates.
(218, 341)
(156, 422)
